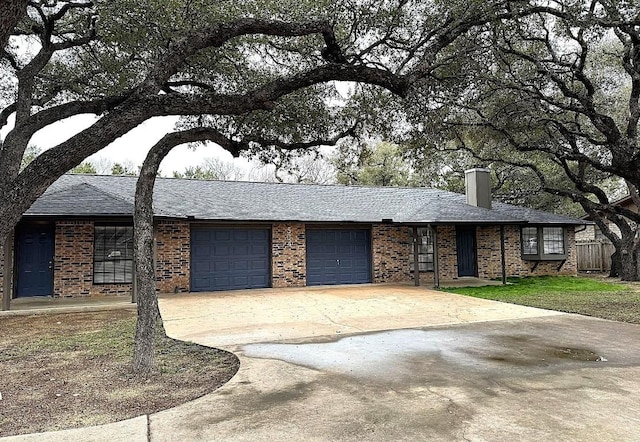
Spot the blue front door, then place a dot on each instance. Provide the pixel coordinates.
(338, 256)
(34, 260)
(466, 251)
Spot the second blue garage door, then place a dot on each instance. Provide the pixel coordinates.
(338, 256)
(228, 259)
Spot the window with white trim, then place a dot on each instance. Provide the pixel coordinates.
(425, 250)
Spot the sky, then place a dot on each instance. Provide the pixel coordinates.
(132, 148)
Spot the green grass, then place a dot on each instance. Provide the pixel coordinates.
(587, 296)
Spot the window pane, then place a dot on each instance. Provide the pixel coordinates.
(425, 251)
(553, 238)
(113, 254)
(530, 240)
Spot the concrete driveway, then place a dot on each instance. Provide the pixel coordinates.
(229, 319)
(382, 362)
(422, 365)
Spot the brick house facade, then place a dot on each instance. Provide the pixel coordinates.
(390, 257)
(77, 240)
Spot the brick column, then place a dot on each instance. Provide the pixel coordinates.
(288, 255)
(447, 254)
(173, 256)
(391, 250)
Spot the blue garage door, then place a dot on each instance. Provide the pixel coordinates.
(337, 256)
(227, 259)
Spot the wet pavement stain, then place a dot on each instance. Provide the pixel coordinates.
(405, 354)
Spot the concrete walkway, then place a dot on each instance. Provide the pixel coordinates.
(42, 305)
(422, 365)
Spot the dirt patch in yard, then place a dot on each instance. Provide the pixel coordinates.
(73, 370)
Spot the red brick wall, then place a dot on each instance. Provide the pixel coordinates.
(516, 266)
(173, 256)
(73, 269)
(288, 255)
(391, 249)
(447, 255)
(488, 239)
(488, 251)
(391, 256)
(73, 263)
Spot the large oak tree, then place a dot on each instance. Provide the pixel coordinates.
(253, 76)
(556, 95)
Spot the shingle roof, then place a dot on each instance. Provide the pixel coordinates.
(81, 199)
(82, 195)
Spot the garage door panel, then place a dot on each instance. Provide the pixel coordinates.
(258, 235)
(338, 256)
(241, 235)
(219, 250)
(220, 235)
(220, 281)
(200, 250)
(257, 249)
(200, 235)
(201, 283)
(360, 264)
(359, 249)
(219, 266)
(240, 265)
(329, 263)
(226, 259)
(345, 248)
(259, 265)
(346, 264)
(240, 250)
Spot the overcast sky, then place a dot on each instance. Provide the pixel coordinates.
(133, 147)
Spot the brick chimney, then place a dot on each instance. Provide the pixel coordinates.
(477, 183)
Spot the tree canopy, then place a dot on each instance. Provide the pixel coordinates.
(266, 78)
(255, 74)
(555, 97)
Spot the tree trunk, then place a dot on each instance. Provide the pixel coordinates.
(615, 265)
(149, 324)
(628, 270)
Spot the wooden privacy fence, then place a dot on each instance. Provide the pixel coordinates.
(594, 256)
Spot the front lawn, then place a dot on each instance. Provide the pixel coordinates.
(586, 296)
(73, 370)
